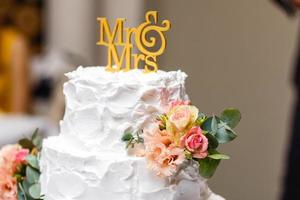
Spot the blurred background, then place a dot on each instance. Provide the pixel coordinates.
(236, 52)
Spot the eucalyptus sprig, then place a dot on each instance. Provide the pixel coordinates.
(218, 130)
(28, 176)
(132, 139)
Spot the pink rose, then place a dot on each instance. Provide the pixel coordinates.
(195, 142)
(21, 155)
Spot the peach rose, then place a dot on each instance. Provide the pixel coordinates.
(162, 155)
(182, 116)
(8, 186)
(164, 160)
(195, 142)
(8, 156)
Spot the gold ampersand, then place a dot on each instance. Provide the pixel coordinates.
(149, 38)
(143, 42)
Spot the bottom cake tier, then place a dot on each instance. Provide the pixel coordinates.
(71, 173)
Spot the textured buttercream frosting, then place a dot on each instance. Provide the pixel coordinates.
(88, 161)
(101, 106)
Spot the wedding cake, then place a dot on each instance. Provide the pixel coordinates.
(89, 160)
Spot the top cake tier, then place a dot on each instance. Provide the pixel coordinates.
(101, 106)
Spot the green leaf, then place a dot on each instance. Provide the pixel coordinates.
(21, 192)
(214, 125)
(26, 186)
(207, 124)
(26, 143)
(208, 166)
(201, 118)
(201, 115)
(212, 141)
(35, 191)
(219, 157)
(231, 116)
(127, 137)
(35, 134)
(33, 161)
(37, 139)
(188, 154)
(163, 118)
(18, 177)
(32, 175)
(224, 134)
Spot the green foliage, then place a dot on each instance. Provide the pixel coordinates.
(127, 137)
(209, 124)
(34, 142)
(21, 192)
(28, 175)
(33, 161)
(219, 156)
(212, 141)
(26, 143)
(218, 130)
(222, 127)
(27, 191)
(188, 154)
(201, 118)
(231, 117)
(163, 119)
(224, 133)
(35, 191)
(26, 185)
(131, 140)
(30, 187)
(32, 175)
(37, 139)
(214, 125)
(208, 166)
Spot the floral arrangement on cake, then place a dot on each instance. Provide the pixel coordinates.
(183, 135)
(19, 169)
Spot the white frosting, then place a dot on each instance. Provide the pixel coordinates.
(88, 161)
(101, 105)
(73, 173)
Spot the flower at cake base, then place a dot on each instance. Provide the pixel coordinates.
(162, 155)
(8, 186)
(11, 156)
(195, 142)
(8, 155)
(181, 116)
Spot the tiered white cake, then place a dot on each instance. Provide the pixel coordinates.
(88, 161)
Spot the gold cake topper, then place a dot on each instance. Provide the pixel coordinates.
(150, 46)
